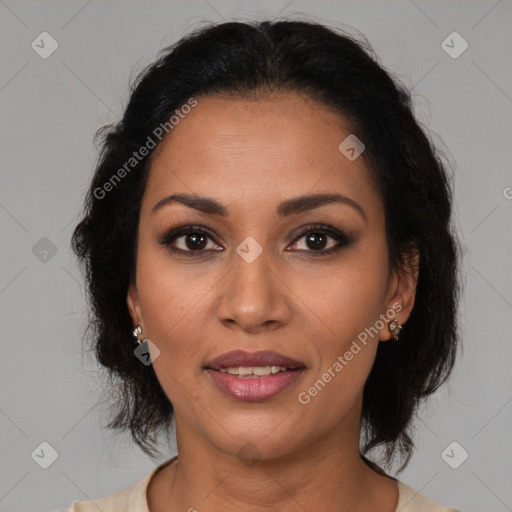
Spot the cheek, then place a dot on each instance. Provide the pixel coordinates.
(348, 299)
(344, 357)
(172, 317)
(176, 307)
(346, 338)
(171, 295)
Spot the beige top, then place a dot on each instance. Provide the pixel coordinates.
(133, 499)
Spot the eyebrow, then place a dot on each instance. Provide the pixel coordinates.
(288, 207)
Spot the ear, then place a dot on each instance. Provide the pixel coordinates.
(402, 292)
(132, 300)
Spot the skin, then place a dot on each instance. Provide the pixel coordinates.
(250, 156)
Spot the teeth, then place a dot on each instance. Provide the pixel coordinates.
(258, 371)
(244, 371)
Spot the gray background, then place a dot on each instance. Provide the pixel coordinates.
(50, 110)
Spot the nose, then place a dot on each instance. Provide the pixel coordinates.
(253, 297)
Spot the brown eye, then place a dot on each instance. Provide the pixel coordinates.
(188, 240)
(316, 240)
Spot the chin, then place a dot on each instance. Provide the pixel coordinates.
(251, 440)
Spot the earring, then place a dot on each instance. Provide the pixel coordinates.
(395, 327)
(136, 333)
(144, 353)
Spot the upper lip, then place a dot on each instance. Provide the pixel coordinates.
(237, 358)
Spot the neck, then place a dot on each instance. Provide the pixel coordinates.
(326, 475)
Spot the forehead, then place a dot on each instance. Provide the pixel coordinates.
(258, 152)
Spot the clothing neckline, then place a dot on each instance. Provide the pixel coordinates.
(144, 484)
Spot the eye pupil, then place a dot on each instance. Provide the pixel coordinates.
(316, 244)
(198, 241)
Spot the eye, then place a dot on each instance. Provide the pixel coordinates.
(194, 240)
(316, 240)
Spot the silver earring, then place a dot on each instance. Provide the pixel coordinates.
(136, 333)
(395, 327)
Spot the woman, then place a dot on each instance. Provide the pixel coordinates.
(270, 260)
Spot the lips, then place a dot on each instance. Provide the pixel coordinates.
(238, 358)
(254, 377)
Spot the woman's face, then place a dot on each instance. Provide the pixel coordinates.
(264, 276)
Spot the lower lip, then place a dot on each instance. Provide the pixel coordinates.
(254, 389)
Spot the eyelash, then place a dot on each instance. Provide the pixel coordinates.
(167, 238)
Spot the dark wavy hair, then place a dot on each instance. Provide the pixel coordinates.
(245, 60)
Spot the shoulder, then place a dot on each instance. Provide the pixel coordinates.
(412, 501)
(127, 500)
(131, 499)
